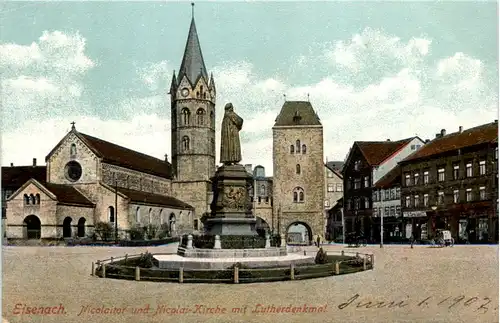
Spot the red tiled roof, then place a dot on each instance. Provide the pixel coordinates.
(67, 194)
(124, 157)
(376, 152)
(483, 134)
(14, 177)
(390, 179)
(151, 198)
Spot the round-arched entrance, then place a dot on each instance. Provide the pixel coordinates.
(33, 227)
(67, 227)
(299, 233)
(261, 226)
(81, 227)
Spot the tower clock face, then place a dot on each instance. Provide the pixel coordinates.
(184, 92)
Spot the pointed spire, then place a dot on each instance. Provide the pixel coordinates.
(193, 65)
(173, 85)
(212, 82)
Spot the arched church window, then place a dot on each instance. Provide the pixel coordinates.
(292, 149)
(150, 215)
(205, 95)
(211, 118)
(26, 199)
(111, 214)
(297, 144)
(297, 169)
(304, 149)
(72, 150)
(200, 115)
(138, 215)
(185, 143)
(298, 195)
(32, 199)
(37, 198)
(186, 116)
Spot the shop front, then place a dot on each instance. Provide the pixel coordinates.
(416, 224)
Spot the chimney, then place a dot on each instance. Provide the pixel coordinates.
(11, 164)
(34, 162)
(166, 158)
(443, 132)
(438, 135)
(427, 141)
(460, 129)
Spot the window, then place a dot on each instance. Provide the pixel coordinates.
(298, 195)
(415, 179)
(416, 200)
(482, 167)
(393, 194)
(137, 215)
(327, 203)
(374, 196)
(72, 150)
(357, 183)
(297, 169)
(468, 195)
(304, 149)
(195, 224)
(426, 199)
(200, 116)
(356, 204)
(367, 181)
(482, 193)
(398, 210)
(386, 211)
(456, 171)
(37, 198)
(407, 201)
(357, 164)
(297, 146)
(468, 169)
(417, 146)
(393, 210)
(186, 116)
(375, 212)
(162, 220)
(367, 203)
(412, 147)
(338, 187)
(331, 188)
(398, 192)
(349, 203)
(387, 195)
(329, 174)
(185, 143)
(440, 198)
(26, 199)
(150, 215)
(426, 177)
(262, 191)
(292, 149)
(407, 180)
(441, 175)
(111, 214)
(456, 196)
(32, 199)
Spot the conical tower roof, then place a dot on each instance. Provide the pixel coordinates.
(193, 65)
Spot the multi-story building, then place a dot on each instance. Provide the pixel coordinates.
(334, 184)
(298, 186)
(452, 183)
(334, 224)
(262, 198)
(365, 164)
(386, 198)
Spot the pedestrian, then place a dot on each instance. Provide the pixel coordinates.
(412, 239)
(318, 240)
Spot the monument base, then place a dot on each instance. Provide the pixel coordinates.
(230, 226)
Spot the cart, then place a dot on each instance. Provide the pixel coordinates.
(444, 239)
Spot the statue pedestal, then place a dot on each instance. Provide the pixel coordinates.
(231, 207)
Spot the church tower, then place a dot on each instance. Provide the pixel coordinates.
(192, 95)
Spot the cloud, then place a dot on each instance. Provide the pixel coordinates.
(374, 86)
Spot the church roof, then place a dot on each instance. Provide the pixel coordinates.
(297, 113)
(127, 158)
(67, 194)
(193, 65)
(154, 199)
(15, 176)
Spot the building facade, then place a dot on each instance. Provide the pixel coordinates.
(367, 162)
(298, 186)
(452, 184)
(334, 224)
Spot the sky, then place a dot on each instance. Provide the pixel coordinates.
(372, 70)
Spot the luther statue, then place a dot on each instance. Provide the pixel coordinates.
(230, 148)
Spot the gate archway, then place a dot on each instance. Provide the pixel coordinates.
(299, 233)
(33, 227)
(67, 227)
(262, 227)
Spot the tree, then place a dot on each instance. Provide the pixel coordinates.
(103, 230)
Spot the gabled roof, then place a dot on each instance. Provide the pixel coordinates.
(297, 113)
(14, 177)
(193, 65)
(483, 134)
(67, 194)
(63, 194)
(335, 167)
(120, 156)
(154, 199)
(376, 152)
(392, 178)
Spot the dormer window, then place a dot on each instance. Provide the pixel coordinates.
(297, 117)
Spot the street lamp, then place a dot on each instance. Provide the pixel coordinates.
(381, 229)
